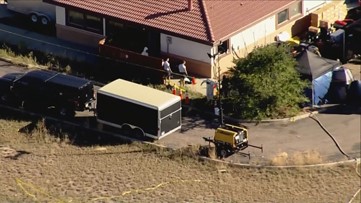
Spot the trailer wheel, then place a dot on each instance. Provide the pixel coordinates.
(138, 133)
(126, 129)
(44, 20)
(34, 18)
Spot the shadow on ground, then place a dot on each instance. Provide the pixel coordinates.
(342, 110)
(84, 134)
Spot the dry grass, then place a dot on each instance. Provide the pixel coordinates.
(53, 171)
(29, 59)
(356, 198)
(297, 158)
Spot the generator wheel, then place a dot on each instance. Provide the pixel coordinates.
(223, 153)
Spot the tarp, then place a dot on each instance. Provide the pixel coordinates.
(319, 70)
(313, 65)
(320, 87)
(342, 75)
(341, 79)
(354, 94)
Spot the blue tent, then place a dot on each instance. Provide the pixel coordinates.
(319, 71)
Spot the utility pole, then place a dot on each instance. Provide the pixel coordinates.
(221, 119)
(219, 51)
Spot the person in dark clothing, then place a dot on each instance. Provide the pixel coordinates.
(225, 86)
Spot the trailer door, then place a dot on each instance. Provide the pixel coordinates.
(170, 118)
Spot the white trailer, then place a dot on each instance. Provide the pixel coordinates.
(144, 110)
(37, 10)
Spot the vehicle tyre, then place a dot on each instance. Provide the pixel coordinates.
(223, 153)
(66, 112)
(126, 129)
(4, 99)
(34, 18)
(8, 100)
(138, 133)
(44, 20)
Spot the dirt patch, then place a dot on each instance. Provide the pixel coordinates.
(53, 170)
(297, 158)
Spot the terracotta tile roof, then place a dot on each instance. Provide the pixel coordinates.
(227, 17)
(208, 21)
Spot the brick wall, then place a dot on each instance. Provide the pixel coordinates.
(331, 12)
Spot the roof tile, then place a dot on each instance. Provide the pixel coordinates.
(208, 21)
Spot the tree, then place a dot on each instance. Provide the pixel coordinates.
(265, 84)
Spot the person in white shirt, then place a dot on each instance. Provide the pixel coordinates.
(166, 66)
(145, 51)
(182, 68)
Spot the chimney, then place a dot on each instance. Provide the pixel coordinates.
(190, 5)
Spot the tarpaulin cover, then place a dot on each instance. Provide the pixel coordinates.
(320, 87)
(342, 75)
(313, 65)
(354, 93)
(319, 70)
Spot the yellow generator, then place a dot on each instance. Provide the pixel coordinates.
(229, 139)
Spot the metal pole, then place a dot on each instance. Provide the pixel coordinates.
(221, 121)
(344, 46)
(313, 94)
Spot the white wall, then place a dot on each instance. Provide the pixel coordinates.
(311, 5)
(60, 15)
(253, 33)
(185, 48)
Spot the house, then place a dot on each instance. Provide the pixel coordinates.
(184, 29)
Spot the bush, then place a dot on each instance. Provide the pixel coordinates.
(265, 84)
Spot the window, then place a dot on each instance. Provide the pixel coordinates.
(113, 27)
(85, 21)
(292, 11)
(282, 16)
(75, 18)
(94, 23)
(223, 47)
(295, 9)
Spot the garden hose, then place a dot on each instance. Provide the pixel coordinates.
(329, 134)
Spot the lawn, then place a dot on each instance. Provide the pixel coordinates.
(49, 169)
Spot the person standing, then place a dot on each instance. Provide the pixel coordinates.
(183, 69)
(166, 66)
(145, 51)
(225, 86)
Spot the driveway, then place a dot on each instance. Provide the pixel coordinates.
(275, 137)
(291, 137)
(299, 136)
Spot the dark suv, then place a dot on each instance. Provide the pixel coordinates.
(42, 89)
